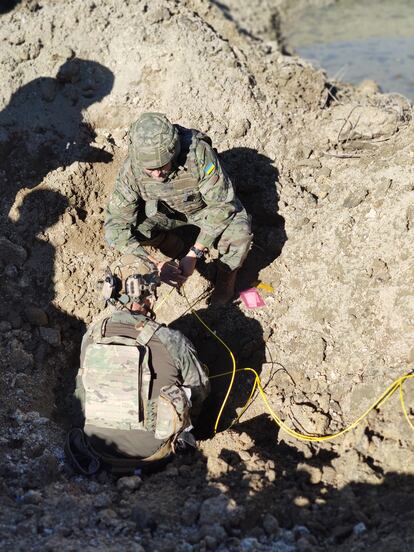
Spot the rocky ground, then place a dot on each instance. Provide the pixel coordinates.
(325, 170)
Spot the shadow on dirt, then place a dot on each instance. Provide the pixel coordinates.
(255, 180)
(272, 478)
(28, 274)
(8, 5)
(42, 128)
(244, 337)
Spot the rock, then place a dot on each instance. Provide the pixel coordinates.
(354, 198)
(217, 466)
(185, 471)
(211, 542)
(102, 500)
(341, 532)
(20, 360)
(214, 530)
(190, 511)
(368, 87)
(63, 53)
(315, 474)
(11, 271)
(41, 353)
(171, 471)
(311, 163)
(51, 336)
(220, 509)
(240, 128)
(250, 545)
(303, 545)
(359, 529)
(245, 455)
(11, 253)
(158, 14)
(35, 315)
(380, 271)
(130, 483)
(142, 518)
(108, 517)
(246, 439)
(34, 450)
(257, 533)
(270, 524)
(301, 501)
(270, 474)
(32, 497)
(68, 219)
(43, 470)
(324, 171)
(300, 531)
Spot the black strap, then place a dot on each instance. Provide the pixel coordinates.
(80, 454)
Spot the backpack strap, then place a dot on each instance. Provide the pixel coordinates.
(87, 461)
(126, 466)
(146, 331)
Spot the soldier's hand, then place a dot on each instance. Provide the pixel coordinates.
(170, 273)
(187, 264)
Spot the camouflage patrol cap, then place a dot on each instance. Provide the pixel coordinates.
(154, 140)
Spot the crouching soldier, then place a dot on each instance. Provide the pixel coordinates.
(173, 178)
(140, 384)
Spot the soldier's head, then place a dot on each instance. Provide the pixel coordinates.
(131, 284)
(154, 144)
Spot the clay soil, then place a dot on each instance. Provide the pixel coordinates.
(326, 172)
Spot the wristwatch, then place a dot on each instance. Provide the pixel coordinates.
(199, 253)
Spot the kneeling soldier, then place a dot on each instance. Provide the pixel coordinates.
(140, 384)
(171, 178)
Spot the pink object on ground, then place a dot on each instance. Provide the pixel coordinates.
(252, 299)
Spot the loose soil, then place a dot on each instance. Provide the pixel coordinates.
(326, 172)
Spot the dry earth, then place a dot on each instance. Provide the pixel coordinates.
(326, 172)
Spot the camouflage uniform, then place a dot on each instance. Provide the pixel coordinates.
(110, 384)
(196, 192)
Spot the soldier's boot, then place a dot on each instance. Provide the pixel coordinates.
(224, 288)
(171, 246)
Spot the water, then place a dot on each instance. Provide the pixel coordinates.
(355, 40)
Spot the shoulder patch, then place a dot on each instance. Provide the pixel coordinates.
(209, 168)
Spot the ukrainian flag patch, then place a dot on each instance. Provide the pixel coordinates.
(210, 168)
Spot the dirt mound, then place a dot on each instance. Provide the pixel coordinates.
(325, 172)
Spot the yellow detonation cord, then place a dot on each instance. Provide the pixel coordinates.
(397, 384)
(391, 389)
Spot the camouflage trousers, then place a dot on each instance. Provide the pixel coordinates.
(232, 245)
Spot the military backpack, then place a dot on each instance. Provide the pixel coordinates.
(114, 384)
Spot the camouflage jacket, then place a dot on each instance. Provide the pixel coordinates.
(111, 367)
(197, 189)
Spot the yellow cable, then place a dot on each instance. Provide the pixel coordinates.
(163, 300)
(318, 438)
(233, 372)
(403, 406)
(397, 384)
